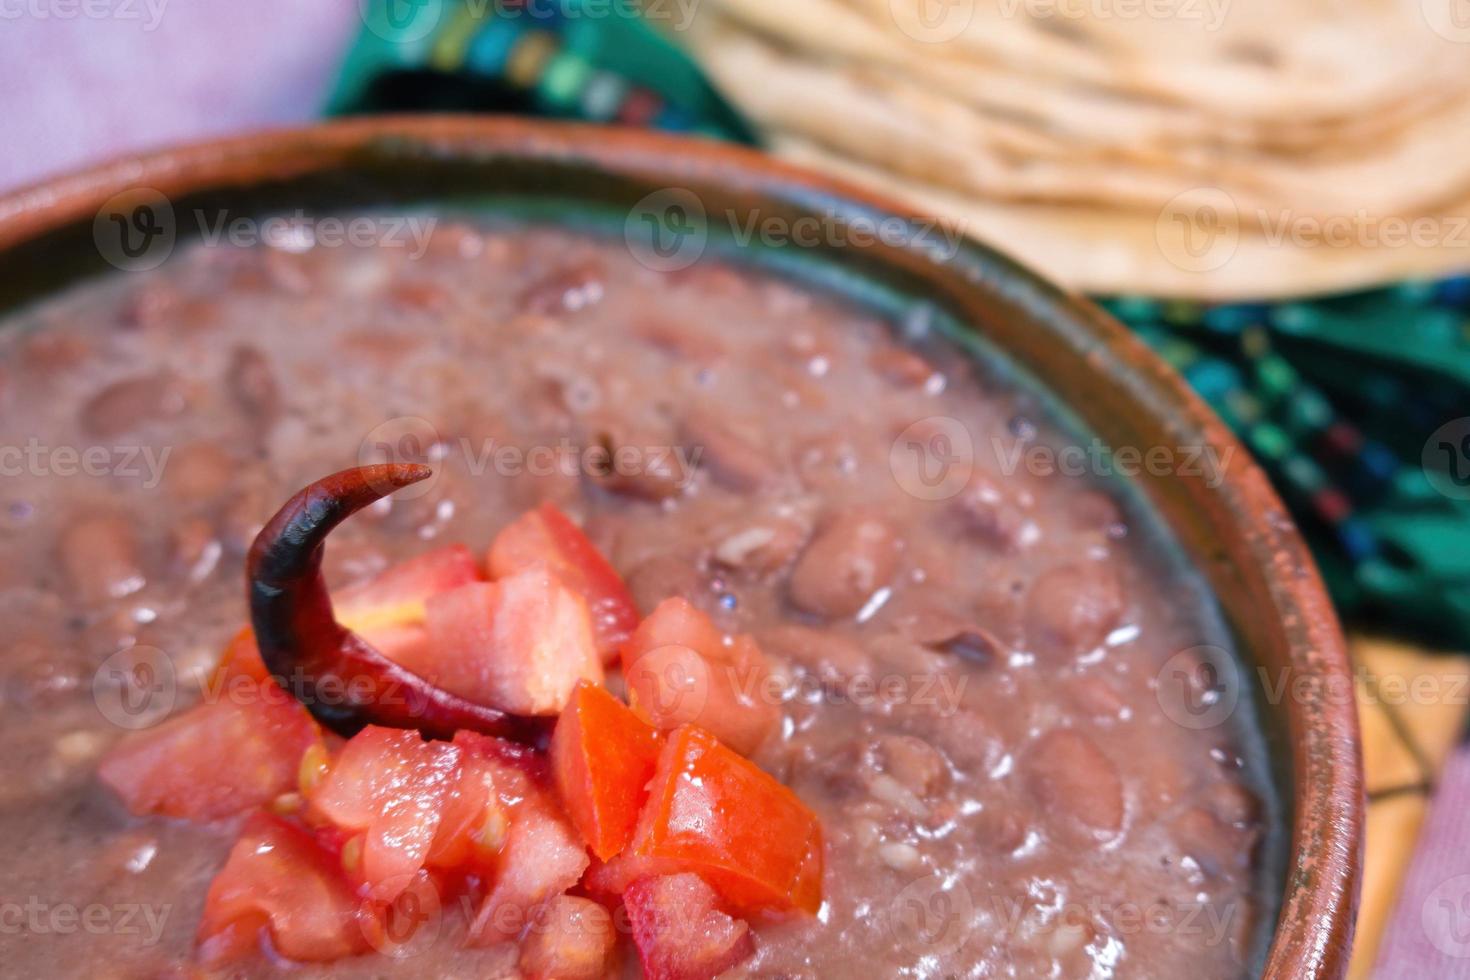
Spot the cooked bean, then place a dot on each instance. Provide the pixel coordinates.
(733, 455)
(128, 405)
(765, 545)
(996, 511)
(854, 554)
(194, 549)
(199, 471)
(243, 517)
(1215, 845)
(824, 653)
(419, 297)
(968, 740)
(100, 555)
(1071, 778)
(50, 352)
(1233, 803)
(1097, 698)
(1093, 510)
(941, 630)
(664, 576)
(1072, 608)
(1000, 826)
(920, 767)
(566, 290)
(252, 383)
(634, 461)
(678, 340)
(900, 366)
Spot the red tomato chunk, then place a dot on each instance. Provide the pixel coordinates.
(519, 644)
(393, 787)
(682, 670)
(546, 535)
(543, 857)
(278, 879)
(572, 940)
(680, 931)
(603, 756)
(715, 813)
(215, 760)
(398, 594)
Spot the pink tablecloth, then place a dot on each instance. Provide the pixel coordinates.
(77, 87)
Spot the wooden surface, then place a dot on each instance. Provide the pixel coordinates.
(1412, 704)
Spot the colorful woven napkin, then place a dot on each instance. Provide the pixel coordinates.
(1357, 405)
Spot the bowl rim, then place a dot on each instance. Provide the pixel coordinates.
(1314, 927)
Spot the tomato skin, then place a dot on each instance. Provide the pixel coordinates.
(392, 786)
(547, 535)
(682, 670)
(519, 644)
(680, 931)
(602, 757)
(715, 813)
(216, 759)
(277, 879)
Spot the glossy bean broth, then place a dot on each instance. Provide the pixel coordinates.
(971, 651)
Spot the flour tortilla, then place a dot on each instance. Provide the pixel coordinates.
(1109, 251)
(1262, 59)
(901, 125)
(1092, 112)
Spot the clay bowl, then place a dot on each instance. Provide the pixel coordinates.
(1237, 532)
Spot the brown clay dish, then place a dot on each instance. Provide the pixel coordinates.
(1237, 534)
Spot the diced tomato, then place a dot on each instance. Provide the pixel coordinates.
(547, 535)
(680, 932)
(674, 622)
(519, 644)
(542, 858)
(602, 756)
(571, 940)
(241, 659)
(410, 923)
(279, 880)
(241, 667)
(396, 596)
(392, 786)
(607, 881)
(216, 759)
(721, 816)
(682, 670)
(494, 776)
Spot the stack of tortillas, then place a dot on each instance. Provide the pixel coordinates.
(1205, 148)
